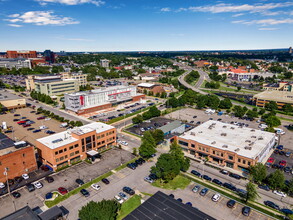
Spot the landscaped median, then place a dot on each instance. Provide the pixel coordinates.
(128, 206)
(255, 205)
(51, 203)
(179, 181)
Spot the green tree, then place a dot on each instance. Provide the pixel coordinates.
(276, 179)
(172, 102)
(262, 111)
(258, 172)
(103, 210)
(251, 192)
(287, 108)
(158, 135)
(176, 151)
(238, 88)
(251, 114)
(271, 106)
(148, 137)
(225, 103)
(289, 187)
(146, 149)
(273, 121)
(166, 168)
(213, 101)
(137, 120)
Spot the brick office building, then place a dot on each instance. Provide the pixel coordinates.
(66, 148)
(21, 54)
(227, 145)
(149, 87)
(16, 158)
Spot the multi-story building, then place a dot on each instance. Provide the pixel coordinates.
(149, 87)
(49, 56)
(102, 98)
(15, 63)
(16, 158)
(280, 97)
(281, 86)
(68, 147)
(80, 77)
(51, 85)
(104, 63)
(21, 54)
(227, 145)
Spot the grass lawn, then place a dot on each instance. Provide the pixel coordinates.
(129, 206)
(178, 182)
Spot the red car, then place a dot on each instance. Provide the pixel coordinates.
(40, 118)
(283, 163)
(271, 160)
(26, 125)
(19, 122)
(62, 190)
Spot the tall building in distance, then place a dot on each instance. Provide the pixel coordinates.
(290, 50)
(104, 63)
(49, 56)
(21, 54)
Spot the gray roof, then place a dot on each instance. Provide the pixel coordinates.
(5, 142)
(170, 126)
(51, 213)
(22, 214)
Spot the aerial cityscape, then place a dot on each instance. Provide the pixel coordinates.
(142, 110)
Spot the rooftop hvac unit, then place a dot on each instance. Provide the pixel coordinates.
(223, 134)
(248, 141)
(247, 148)
(200, 132)
(252, 130)
(253, 136)
(260, 138)
(251, 144)
(224, 126)
(238, 149)
(192, 133)
(232, 128)
(225, 146)
(213, 142)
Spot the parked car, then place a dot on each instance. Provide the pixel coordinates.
(30, 187)
(16, 195)
(37, 130)
(287, 169)
(148, 179)
(172, 196)
(206, 177)
(49, 179)
(85, 193)
(236, 176)
(271, 160)
(225, 172)
(288, 154)
(264, 187)
(272, 205)
(280, 147)
(279, 193)
(118, 199)
(95, 186)
(189, 204)
(2, 185)
(38, 185)
(283, 163)
(229, 186)
(128, 190)
(49, 195)
(196, 188)
(179, 200)
(194, 172)
(62, 190)
(123, 195)
(106, 181)
(204, 191)
(79, 182)
(218, 182)
(231, 203)
(216, 197)
(131, 166)
(246, 211)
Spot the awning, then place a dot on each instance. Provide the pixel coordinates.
(92, 153)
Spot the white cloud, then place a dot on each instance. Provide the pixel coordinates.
(268, 29)
(72, 2)
(222, 7)
(265, 22)
(42, 18)
(14, 25)
(237, 15)
(165, 9)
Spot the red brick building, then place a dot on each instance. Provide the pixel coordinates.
(142, 87)
(22, 54)
(16, 158)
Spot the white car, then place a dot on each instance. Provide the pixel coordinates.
(149, 180)
(124, 143)
(279, 193)
(25, 176)
(38, 185)
(2, 185)
(216, 197)
(118, 199)
(47, 119)
(95, 186)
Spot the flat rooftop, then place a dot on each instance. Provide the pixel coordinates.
(99, 90)
(244, 141)
(7, 145)
(163, 207)
(170, 126)
(63, 138)
(147, 85)
(278, 96)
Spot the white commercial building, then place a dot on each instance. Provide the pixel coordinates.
(15, 63)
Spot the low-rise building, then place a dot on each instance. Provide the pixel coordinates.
(281, 86)
(16, 63)
(280, 97)
(102, 98)
(68, 147)
(173, 127)
(16, 158)
(149, 87)
(227, 145)
(13, 103)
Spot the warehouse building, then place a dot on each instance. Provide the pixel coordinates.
(13, 103)
(227, 145)
(280, 97)
(102, 98)
(68, 147)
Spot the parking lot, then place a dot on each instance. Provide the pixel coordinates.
(21, 133)
(149, 125)
(66, 178)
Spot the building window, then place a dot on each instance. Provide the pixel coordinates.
(103, 135)
(65, 149)
(192, 145)
(23, 155)
(61, 158)
(71, 147)
(98, 137)
(248, 163)
(77, 152)
(71, 154)
(56, 152)
(60, 151)
(239, 160)
(183, 143)
(230, 157)
(244, 161)
(66, 156)
(76, 145)
(57, 160)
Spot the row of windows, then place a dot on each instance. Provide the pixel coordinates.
(66, 156)
(65, 149)
(243, 161)
(107, 134)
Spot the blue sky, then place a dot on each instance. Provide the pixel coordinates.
(134, 25)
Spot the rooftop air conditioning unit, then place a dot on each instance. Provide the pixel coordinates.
(247, 148)
(232, 128)
(248, 141)
(224, 126)
(223, 134)
(253, 136)
(213, 142)
(225, 146)
(192, 133)
(252, 130)
(238, 149)
(260, 138)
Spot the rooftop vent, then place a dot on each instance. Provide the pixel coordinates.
(225, 146)
(252, 130)
(192, 133)
(248, 141)
(57, 140)
(238, 149)
(224, 126)
(213, 142)
(232, 128)
(260, 138)
(223, 134)
(253, 136)
(200, 132)
(251, 144)
(247, 148)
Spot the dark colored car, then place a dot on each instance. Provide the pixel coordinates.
(26, 125)
(172, 196)
(281, 152)
(138, 162)
(194, 172)
(231, 203)
(29, 129)
(16, 115)
(49, 195)
(276, 151)
(272, 205)
(41, 118)
(287, 169)
(62, 190)
(16, 194)
(287, 211)
(131, 166)
(218, 182)
(153, 176)
(49, 179)
(236, 176)
(128, 190)
(141, 160)
(225, 172)
(15, 119)
(246, 210)
(30, 187)
(204, 191)
(85, 193)
(229, 186)
(189, 204)
(280, 147)
(37, 130)
(179, 200)
(206, 177)
(264, 187)
(106, 181)
(79, 182)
